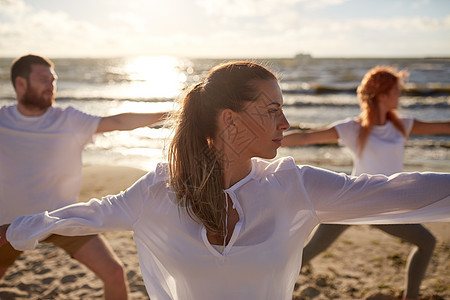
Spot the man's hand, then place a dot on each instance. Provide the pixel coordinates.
(3, 229)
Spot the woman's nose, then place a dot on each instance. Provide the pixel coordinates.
(283, 124)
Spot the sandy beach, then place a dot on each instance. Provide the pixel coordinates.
(364, 263)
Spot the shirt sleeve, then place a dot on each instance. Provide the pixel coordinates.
(84, 125)
(408, 124)
(112, 213)
(347, 131)
(377, 199)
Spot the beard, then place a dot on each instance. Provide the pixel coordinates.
(32, 100)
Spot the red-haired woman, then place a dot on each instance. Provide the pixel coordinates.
(376, 141)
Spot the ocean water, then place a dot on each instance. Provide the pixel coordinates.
(317, 92)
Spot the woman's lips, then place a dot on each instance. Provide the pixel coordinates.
(277, 141)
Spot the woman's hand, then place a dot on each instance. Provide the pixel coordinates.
(3, 229)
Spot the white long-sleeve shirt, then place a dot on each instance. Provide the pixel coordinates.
(278, 204)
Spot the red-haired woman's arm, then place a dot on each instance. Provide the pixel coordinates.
(309, 137)
(423, 128)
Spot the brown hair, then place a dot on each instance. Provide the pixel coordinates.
(378, 80)
(21, 67)
(196, 166)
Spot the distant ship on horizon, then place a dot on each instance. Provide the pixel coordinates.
(303, 56)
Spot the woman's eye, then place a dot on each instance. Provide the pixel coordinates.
(276, 111)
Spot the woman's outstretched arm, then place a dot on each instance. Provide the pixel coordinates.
(423, 128)
(3, 229)
(111, 213)
(309, 137)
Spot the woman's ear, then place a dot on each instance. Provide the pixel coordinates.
(228, 117)
(383, 97)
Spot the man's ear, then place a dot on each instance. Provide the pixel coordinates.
(20, 84)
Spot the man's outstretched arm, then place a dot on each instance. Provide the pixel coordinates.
(129, 121)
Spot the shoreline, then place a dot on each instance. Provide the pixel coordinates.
(363, 263)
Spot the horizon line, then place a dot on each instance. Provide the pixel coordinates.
(300, 56)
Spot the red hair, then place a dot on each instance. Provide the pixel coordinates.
(378, 80)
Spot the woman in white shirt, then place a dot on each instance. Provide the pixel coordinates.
(215, 222)
(376, 140)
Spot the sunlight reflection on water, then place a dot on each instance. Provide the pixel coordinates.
(159, 76)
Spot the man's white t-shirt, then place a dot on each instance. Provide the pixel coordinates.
(40, 159)
(384, 149)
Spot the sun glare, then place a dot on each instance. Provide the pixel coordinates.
(158, 76)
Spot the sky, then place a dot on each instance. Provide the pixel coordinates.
(225, 28)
